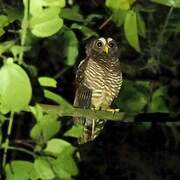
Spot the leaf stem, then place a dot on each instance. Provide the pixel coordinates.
(22, 150)
(24, 26)
(7, 139)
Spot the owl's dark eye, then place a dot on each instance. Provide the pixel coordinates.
(111, 44)
(99, 44)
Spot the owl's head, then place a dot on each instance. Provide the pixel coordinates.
(103, 48)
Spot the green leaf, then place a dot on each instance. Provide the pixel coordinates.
(119, 4)
(72, 14)
(65, 165)
(17, 49)
(70, 42)
(118, 17)
(3, 23)
(158, 102)
(2, 119)
(141, 26)
(44, 168)
(37, 111)
(13, 80)
(20, 170)
(56, 3)
(40, 6)
(57, 146)
(5, 46)
(173, 3)
(58, 99)
(45, 128)
(85, 30)
(36, 7)
(131, 29)
(47, 81)
(47, 23)
(76, 131)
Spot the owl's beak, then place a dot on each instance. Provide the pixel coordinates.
(106, 49)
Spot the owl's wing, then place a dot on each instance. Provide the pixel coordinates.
(83, 93)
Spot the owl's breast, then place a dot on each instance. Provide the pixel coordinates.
(104, 81)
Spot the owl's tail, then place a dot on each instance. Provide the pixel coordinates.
(92, 128)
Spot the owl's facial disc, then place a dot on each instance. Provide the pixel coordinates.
(102, 43)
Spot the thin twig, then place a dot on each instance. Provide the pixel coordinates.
(24, 143)
(7, 139)
(24, 25)
(105, 22)
(22, 149)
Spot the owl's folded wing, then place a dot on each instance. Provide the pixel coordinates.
(83, 97)
(83, 93)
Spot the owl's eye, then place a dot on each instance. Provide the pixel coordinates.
(99, 44)
(111, 44)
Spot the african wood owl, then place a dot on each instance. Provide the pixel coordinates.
(98, 81)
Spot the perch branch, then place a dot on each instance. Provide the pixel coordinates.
(79, 112)
(117, 116)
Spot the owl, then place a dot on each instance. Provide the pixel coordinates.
(98, 81)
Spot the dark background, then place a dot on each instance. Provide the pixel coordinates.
(145, 149)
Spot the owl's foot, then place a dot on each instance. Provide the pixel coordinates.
(112, 110)
(95, 109)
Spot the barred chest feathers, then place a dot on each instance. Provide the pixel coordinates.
(105, 80)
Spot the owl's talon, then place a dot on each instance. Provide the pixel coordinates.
(95, 109)
(113, 110)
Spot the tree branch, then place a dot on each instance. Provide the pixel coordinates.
(79, 112)
(117, 116)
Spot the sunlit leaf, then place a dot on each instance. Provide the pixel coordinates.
(57, 146)
(65, 165)
(45, 128)
(173, 3)
(47, 81)
(57, 3)
(44, 168)
(37, 111)
(3, 22)
(76, 131)
(47, 23)
(119, 4)
(13, 79)
(20, 170)
(40, 6)
(17, 49)
(131, 29)
(5, 46)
